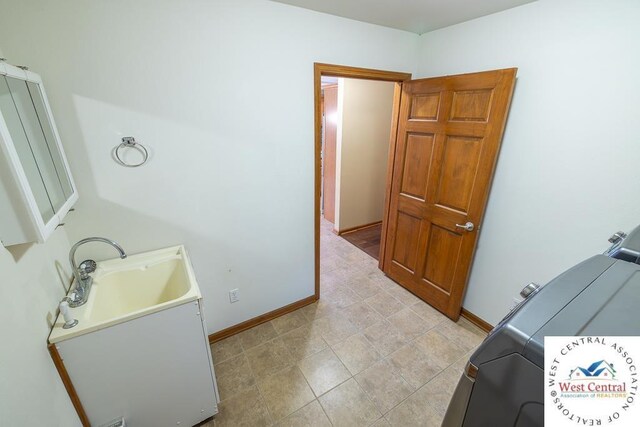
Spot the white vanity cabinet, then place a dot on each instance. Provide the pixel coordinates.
(36, 187)
(154, 371)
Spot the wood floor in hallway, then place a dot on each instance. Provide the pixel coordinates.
(366, 239)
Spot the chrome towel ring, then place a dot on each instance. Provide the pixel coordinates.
(130, 142)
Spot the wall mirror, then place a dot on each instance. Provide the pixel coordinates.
(36, 186)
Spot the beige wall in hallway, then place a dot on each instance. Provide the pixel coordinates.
(365, 109)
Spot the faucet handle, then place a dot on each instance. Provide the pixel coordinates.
(69, 321)
(73, 298)
(87, 266)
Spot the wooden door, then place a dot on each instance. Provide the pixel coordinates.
(329, 153)
(448, 136)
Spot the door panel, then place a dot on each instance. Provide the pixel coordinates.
(471, 105)
(425, 106)
(457, 172)
(443, 248)
(416, 165)
(406, 242)
(448, 138)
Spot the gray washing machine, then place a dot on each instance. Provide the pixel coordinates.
(596, 297)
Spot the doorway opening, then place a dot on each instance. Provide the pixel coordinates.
(356, 128)
(336, 210)
(445, 138)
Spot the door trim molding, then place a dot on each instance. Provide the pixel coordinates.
(393, 140)
(319, 70)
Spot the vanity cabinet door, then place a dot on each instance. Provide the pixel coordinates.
(154, 371)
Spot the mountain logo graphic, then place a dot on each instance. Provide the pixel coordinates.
(597, 370)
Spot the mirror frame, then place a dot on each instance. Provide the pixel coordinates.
(42, 230)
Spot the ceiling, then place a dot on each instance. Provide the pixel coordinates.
(416, 16)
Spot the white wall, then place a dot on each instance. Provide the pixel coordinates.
(32, 280)
(222, 93)
(363, 142)
(568, 169)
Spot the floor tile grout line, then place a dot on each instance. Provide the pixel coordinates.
(316, 398)
(370, 398)
(418, 388)
(410, 342)
(324, 411)
(296, 365)
(382, 357)
(351, 376)
(414, 392)
(255, 380)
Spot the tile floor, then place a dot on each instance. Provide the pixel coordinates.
(368, 353)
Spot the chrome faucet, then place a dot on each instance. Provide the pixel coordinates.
(81, 273)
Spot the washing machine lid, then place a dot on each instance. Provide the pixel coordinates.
(608, 306)
(520, 331)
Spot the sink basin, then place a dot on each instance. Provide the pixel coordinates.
(119, 292)
(124, 289)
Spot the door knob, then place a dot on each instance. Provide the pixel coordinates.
(468, 226)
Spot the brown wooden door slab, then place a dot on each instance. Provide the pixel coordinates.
(447, 143)
(329, 153)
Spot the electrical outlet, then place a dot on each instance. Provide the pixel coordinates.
(234, 295)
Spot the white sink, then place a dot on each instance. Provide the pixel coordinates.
(124, 289)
